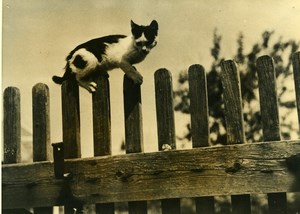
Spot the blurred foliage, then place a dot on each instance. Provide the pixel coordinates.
(281, 51)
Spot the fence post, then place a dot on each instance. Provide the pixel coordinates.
(165, 125)
(198, 106)
(41, 130)
(12, 131)
(71, 119)
(232, 102)
(102, 128)
(234, 122)
(133, 131)
(270, 120)
(12, 125)
(296, 70)
(200, 124)
(71, 127)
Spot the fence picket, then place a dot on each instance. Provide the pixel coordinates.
(270, 119)
(198, 106)
(133, 131)
(101, 117)
(102, 128)
(200, 124)
(296, 70)
(133, 116)
(232, 99)
(41, 130)
(165, 126)
(12, 125)
(71, 119)
(71, 129)
(12, 130)
(41, 122)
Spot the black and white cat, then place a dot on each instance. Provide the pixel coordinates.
(109, 52)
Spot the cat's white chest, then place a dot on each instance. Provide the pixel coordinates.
(123, 50)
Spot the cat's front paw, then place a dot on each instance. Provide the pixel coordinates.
(90, 86)
(137, 79)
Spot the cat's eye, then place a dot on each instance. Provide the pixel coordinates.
(139, 43)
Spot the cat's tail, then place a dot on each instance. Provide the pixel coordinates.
(58, 80)
(67, 75)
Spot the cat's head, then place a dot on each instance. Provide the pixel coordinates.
(145, 36)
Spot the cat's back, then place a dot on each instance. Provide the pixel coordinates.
(97, 46)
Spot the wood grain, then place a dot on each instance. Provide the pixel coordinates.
(41, 130)
(41, 122)
(133, 116)
(232, 97)
(12, 125)
(71, 119)
(198, 106)
(200, 124)
(270, 119)
(164, 108)
(223, 170)
(296, 71)
(165, 126)
(102, 117)
(12, 131)
(71, 137)
(102, 128)
(133, 131)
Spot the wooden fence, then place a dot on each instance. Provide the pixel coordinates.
(238, 169)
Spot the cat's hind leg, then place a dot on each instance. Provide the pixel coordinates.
(88, 85)
(84, 64)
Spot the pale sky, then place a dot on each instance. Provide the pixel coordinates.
(38, 34)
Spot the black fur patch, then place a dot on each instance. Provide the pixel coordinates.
(97, 46)
(79, 62)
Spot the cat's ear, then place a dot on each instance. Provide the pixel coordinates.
(154, 25)
(133, 25)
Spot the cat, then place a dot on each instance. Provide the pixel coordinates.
(102, 54)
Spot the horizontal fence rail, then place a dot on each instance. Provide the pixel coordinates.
(238, 169)
(235, 169)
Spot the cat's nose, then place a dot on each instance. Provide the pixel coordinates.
(145, 50)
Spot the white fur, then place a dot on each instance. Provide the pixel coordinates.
(92, 62)
(142, 38)
(116, 51)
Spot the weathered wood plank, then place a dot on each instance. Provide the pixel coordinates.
(270, 119)
(165, 126)
(164, 108)
(296, 70)
(200, 124)
(232, 97)
(198, 106)
(41, 122)
(133, 116)
(71, 119)
(41, 130)
(71, 133)
(102, 117)
(268, 98)
(223, 170)
(102, 128)
(12, 131)
(12, 125)
(133, 131)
